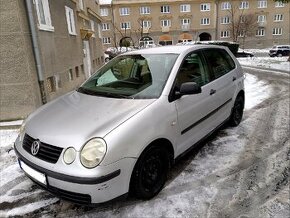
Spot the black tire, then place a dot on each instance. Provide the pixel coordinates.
(237, 111)
(150, 172)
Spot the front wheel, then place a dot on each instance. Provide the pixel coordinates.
(237, 111)
(150, 172)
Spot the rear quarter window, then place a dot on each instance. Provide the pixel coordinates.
(219, 61)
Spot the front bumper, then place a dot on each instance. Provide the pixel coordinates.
(84, 190)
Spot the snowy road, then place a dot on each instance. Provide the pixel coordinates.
(238, 172)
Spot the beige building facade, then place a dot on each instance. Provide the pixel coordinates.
(48, 48)
(264, 23)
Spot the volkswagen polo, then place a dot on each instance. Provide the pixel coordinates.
(123, 128)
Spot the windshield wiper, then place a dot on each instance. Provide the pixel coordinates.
(106, 94)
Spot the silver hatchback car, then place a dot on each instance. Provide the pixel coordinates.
(123, 128)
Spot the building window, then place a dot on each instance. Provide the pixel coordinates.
(185, 21)
(225, 20)
(125, 25)
(225, 34)
(51, 84)
(204, 21)
(145, 10)
(106, 40)
(278, 17)
(185, 8)
(165, 23)
(244, 5)
(260, 32)
(242, 19)
(104, 12)
(226, 6)
(241, 33)
(261, 18)
(277, 31)
(43, 15)
(279, 4)
(105, 26)
(70, 75)
(124, 11)
(262, 3)
(70, 19)
(146, 23)
(81, 4)
(165, 9)
(205, 7)
(77, 71)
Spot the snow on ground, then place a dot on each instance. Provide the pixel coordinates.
(264, 50)
(278, 63)
(182, 192)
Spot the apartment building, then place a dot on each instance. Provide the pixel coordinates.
(48, 48)
(264, 22)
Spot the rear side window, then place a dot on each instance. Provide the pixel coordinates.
(219, 61)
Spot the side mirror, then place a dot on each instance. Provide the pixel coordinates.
(188, 88)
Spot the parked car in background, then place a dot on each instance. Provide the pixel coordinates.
(279, 51)
(122, 130)
(112, 52)
(244, 54)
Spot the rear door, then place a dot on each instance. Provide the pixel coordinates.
(222, 67)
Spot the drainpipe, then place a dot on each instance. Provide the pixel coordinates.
(36, 51)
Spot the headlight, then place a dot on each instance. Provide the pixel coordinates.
(93, 152)
(69, 155)
(22, 131)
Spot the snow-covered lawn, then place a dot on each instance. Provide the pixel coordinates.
(278, 63)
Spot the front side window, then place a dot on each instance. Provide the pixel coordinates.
(165, 9)
(70, 19)
(205, 7)
(43, 15)
(185, 8)
(262, 3)
(192, 70)
(131, 76)
(124, 11)
(220, 62)
(145, 10)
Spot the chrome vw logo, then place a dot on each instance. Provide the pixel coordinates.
(35, 147)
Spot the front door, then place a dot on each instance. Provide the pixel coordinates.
(195, 112)
(87, 59)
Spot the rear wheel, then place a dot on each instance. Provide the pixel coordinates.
(237, 111)
(150, 172)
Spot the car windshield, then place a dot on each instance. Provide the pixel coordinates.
(131, 76)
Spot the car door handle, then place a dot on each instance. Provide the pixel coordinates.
(234, 78)
(212, 91)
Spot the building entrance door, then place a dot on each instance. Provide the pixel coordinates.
(87, 59)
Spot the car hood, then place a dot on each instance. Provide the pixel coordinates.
(74, 118)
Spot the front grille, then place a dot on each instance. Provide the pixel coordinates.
(70, 196)
(46, 152)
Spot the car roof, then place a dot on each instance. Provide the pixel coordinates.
(171, 49)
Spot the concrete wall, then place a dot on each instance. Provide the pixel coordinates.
(19, 90)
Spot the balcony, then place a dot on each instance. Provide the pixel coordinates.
(165, 29)
(146, 29)
(262, 24)
(185, 27)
